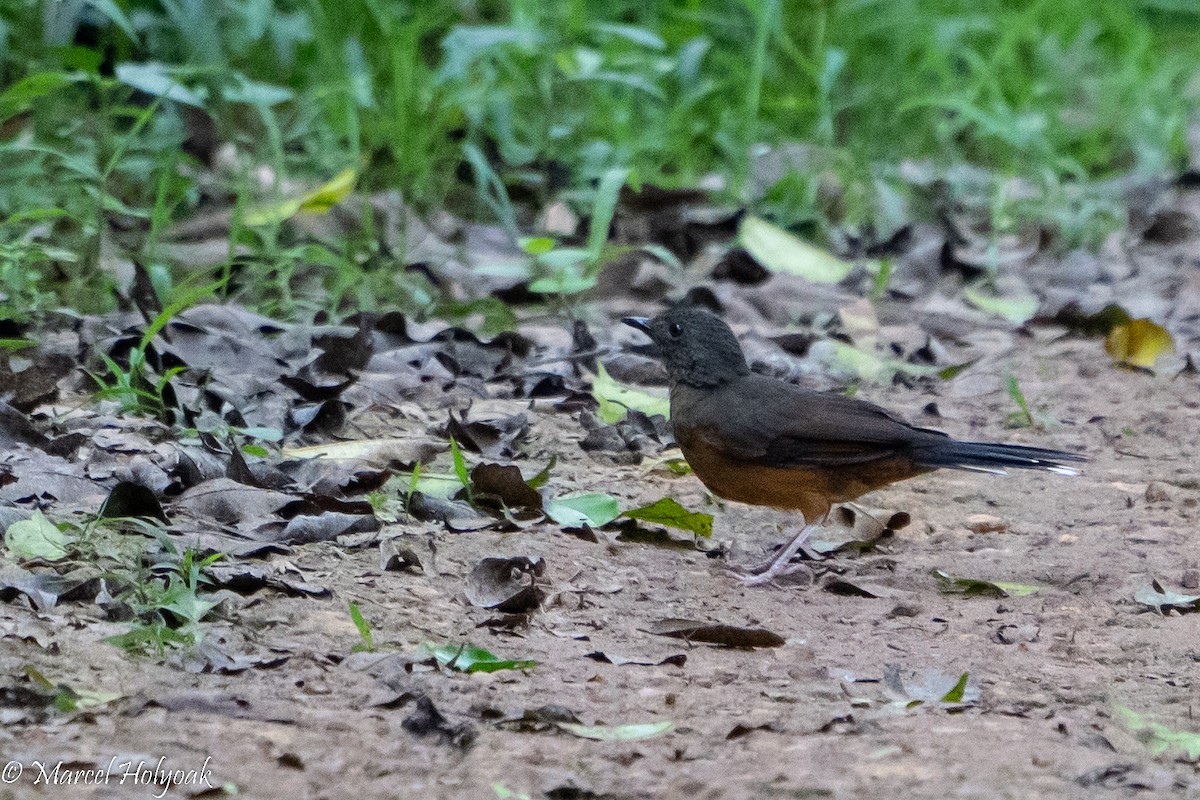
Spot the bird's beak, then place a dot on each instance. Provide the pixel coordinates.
(640, 323)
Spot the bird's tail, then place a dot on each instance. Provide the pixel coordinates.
(998, 458)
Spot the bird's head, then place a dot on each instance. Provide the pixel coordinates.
(697, 348)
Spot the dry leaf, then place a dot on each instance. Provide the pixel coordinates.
(1138, 343)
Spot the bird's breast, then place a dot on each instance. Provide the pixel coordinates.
(802, 490)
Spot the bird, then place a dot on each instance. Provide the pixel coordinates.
(755, 439)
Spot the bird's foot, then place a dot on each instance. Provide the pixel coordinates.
(779, 565)
(769, 573)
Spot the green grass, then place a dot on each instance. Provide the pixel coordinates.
(162, 592)
(491, 109)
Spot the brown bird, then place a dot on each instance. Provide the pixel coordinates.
(761, 441)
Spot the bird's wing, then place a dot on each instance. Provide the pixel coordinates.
(785, 426)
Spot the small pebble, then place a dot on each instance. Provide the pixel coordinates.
(1191, 579)
(986, 523)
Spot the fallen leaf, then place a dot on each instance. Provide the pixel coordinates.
(1138, 343)
(393, 557)
(616, 399)
(377, 452)
(929, 686)
(504, 484)
(426, 720)
(132, 500)
(470, 658)
(1155, 595)
(44, 590)
(854, 587)
(619, 733)
(1158, 737)
(669, 513)
(37, 537)
(1017, 310)
(496, 437)
(575, 511)
(950, 584)
(715, 633)
(743, 729)
(676, 660)
(852, 527)
(506, 584)
(780, 251)
(443, 485)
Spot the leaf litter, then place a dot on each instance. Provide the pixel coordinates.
(317, 428)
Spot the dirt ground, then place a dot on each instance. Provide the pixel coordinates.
(806, 719)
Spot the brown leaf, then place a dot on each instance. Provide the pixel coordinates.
(504, 483)
(393, 558)
(506, 584)
(131, 500)
(716, 633)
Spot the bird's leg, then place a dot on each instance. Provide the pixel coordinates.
(779, 564)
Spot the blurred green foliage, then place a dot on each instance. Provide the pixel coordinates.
(477, 105)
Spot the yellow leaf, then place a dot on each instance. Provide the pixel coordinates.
(779, 251)
(271, 213)
(323, 198)
(1138, 343)
(318, 201)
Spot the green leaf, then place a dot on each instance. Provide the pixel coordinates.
(460, 465)
(1158, 737)
(543, 477)
(537, 245)
(367, 645)
(182, 601)
(602, 210)
(779, 251)
(955, 695)
(616, 399)
(152, 638)
(470, 658)
(329, 194)
(155, 79)
(619, 733)
(575, 511)
(950, 584)
(243, 90)
(23, 94)
(110, 9)
(668, 512)
(318, 201)
(37, 537)
(1024, 419)
(564, 282)
(1016, 310)
(504, 793)
(437, 484)
(68, 699)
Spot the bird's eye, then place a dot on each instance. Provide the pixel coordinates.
(675, 329)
